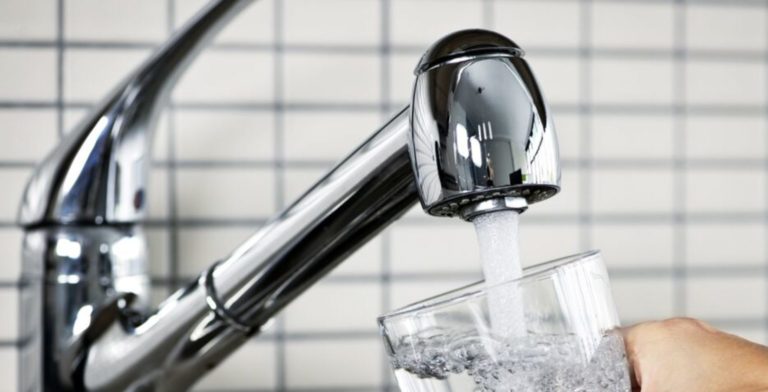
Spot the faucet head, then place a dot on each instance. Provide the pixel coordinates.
(481, 136)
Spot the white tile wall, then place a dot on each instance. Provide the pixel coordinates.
(616, 136)
(725, 137)
(705, 83)
(628, 81)
(534, 23)
(720, 27)
(622, 26)
(662, 133)
(33, 72)
(115, 21)
(27, 19)
(254, 25)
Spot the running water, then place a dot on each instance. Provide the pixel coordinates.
(500, 257)
(449, 361)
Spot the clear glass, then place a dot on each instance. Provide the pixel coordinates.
(568, 342)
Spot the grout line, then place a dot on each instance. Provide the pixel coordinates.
(679, 239)
(627, 218)
(765, 175)
(60, 67)
(279, 123)
(729, 55)
(643, 109)
(386, 264)
(173, 232)
(631, 164)
(487, 10)
(585, 98)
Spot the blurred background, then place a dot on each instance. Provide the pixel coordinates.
(660, 108)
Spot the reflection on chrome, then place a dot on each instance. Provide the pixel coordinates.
(477, 138)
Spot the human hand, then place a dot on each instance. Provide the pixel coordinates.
(687, 355)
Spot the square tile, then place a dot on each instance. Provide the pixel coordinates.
(329, 22)
(625, 25)
(559, 77)
(252, 366)
(632, 191)
(544, 242)
(10, 250)
(9, 302)
(431, 247)
(28, 19)
(228, 77)
(725, 190)
(90, 74)
(224, 135)
(200, 247)
(29, 74)
(633, 136)
(726, 297)
(14, 182)
(538, 23)
(722, 26)
(254, 24)
(713, 82)
(723, 244)
(632, 81)
(635, 245)
(643, 299)
(569, 135)
(725, 137)
(342, 364)
(326, 135)
(9, 371)
(27, 134)
(228, 193)
(332, 77)
(408, 19)
(335, 306)
(114, 20)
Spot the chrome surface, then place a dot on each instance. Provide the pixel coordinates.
(185, 338)
(481, 128)
(85, 319)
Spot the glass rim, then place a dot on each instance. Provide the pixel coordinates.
(471, 290)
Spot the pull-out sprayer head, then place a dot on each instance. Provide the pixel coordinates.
(482, 139)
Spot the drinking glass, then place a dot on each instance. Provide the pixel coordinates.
(565, 338)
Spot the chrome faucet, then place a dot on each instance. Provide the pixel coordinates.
(477, 138)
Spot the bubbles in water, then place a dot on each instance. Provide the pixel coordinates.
(540, 363)
(500, 257)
